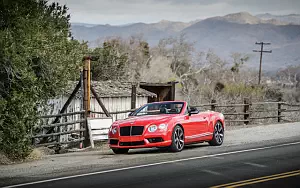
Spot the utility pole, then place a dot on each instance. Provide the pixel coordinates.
(261, 53)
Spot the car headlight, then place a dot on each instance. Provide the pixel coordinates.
(152, 128)
(114, 130)
(163, 126)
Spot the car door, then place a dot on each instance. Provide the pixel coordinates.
(196, 126)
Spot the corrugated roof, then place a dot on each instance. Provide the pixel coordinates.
(113, 89)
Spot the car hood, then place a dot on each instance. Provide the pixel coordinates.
(145, 120)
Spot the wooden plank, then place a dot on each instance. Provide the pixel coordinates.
(57, 134)
(119, 112)
(61, 115)
(101, 137)
(266, 117)
(293, 105)
(59, 143)
(100, 102)
(254, 111)
(90, 133)
(292, 110)
(62, 124)
(202, 105)
(100, 123)
(238, 120)
(268, 102)
(238, 113)
(103, 131)
(231, 105)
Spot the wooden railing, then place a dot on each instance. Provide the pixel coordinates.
(245, 112)
(54, 138)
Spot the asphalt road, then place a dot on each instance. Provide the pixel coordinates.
(267, 166)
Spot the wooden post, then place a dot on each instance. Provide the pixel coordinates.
(173, 91)
(213, 105)
(100, 102)
(246, 110)
(86, 97)
(133, 96)
(279, 109)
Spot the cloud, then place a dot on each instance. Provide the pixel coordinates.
(129, 11)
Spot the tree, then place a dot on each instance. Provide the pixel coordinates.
(121, 59)
(37, 58)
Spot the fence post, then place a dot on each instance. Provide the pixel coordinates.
(213, 104)
(86, 97)
(279, 109)
(173, 91)
(246, 110)
(133, 96)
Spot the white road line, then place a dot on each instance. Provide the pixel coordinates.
(256, 165)
(212, 172)
(153, 164)
(218, 157)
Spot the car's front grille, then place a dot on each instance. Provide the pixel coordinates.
(137, 130)
(125, 131)
(131, 130)
(137, 143)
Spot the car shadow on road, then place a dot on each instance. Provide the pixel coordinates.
(165, 150)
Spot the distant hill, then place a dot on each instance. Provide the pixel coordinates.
(247, 18)
(236, 32)
(151, 32)
(291, 18)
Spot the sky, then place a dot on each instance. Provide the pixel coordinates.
(119, 12)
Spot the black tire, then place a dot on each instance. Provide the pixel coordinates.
(218, 135)
(177, 139)
(120, 150)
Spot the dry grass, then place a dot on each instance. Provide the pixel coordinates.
(4, 160)
(36, 154)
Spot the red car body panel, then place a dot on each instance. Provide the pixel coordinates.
(197, 128)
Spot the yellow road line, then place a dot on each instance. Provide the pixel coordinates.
(260, 179)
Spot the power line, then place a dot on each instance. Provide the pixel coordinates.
(261, 53)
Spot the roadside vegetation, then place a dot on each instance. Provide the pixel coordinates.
(38, 56)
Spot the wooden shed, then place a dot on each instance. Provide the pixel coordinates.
(115, 95)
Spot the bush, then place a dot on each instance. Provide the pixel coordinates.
(37, 58)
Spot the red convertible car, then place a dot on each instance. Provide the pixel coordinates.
(169, 125)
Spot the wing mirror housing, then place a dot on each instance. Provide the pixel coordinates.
(130, 114)
(193, 110)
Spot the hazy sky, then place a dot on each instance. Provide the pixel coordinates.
(116, 12)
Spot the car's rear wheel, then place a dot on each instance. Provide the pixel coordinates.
(177, 139)
(120, 150)
(218, 135)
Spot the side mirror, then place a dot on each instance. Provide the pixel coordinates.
(193, 110)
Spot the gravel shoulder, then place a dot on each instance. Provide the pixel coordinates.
(89, 161)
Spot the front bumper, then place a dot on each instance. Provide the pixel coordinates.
(143, 141)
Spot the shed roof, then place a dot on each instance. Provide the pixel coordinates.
(113, 89)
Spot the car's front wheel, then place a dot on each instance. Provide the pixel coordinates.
(177, 139)
(218, 135)
(120, 150)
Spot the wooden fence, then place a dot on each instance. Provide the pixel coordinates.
(247, 112)
(62, 128)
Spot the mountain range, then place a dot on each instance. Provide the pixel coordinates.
(235, 32)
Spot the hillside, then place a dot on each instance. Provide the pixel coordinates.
(231, 33)
(291, 18)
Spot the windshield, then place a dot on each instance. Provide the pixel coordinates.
(160, 108)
